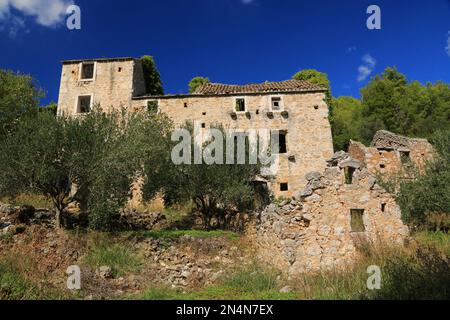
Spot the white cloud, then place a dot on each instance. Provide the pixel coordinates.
(46, 12)
(351, 49)
(447, 49)
(366, 69)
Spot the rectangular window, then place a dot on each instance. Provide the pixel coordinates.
(276, 104)
(84, 104)
(87, 71)
(284, 186)
(279, 145)
(356, 220)
(405, 157)
(240, 105)
(349, 171)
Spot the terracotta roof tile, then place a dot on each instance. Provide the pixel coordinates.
(282, 86)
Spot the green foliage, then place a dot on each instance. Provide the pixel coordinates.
(100, 154)
(153, 83)
(118, 256)
(430, 192)
(347, 120)
(19, 95)
(51, 108)
(315, 77)
(391, 102)
(215, 189)
(197, 82)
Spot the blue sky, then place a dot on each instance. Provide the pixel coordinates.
(232, 41)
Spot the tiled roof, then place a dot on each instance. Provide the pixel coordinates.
(282, 86)
(99, 60)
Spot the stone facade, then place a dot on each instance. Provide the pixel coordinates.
(114, 83)
(303, 114)
(321, 227)
(389, 153)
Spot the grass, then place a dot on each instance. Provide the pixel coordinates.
(118, 256)
(37, 201)
(419, 271)
(245, 283)
(438, 239)
(21, 279)
(174, 234)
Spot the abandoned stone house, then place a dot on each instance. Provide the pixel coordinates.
(335, 199)
(294, 110)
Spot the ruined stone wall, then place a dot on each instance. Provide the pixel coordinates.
(384, 156)
(313, 231)
(112, 85)
(309, 140)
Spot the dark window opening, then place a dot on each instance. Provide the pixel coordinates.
(279, 144)
(284, 186)
(383, 207)
(382, 166)
(276, 104)
(356, 220)
(87, 71)
(120, 69)
(203, 125)
(316, 107)
(185, 105)
(84, 104)
(349, 171)
(257, 111)
(204, 113)
(240, 105)
(405, 157)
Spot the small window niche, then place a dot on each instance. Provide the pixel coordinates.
(356, 220)
(152, 107)
(240, 105)
(203, 125)
(84, 104)
(279, 145)
(87, 71)
(276, 104)
(383, 207)
(349, 172)
(405, 157)
(284, 186)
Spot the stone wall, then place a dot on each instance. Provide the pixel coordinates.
(304, 116)
(305, 119)
(313, 230)
(113, 85)
(390, 153)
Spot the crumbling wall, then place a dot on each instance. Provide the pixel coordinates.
(313, 230)
(389, 153)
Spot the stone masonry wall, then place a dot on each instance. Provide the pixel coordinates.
(384, 156)
(112, 86)
(309, 141)
(313, 230)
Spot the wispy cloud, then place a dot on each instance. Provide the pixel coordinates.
(47, 13)
(247, 1)
(447, 49)
(366, 68)
(350, 49)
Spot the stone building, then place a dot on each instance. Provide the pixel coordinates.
(293, 110)
(389, 153)
(325, 222)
